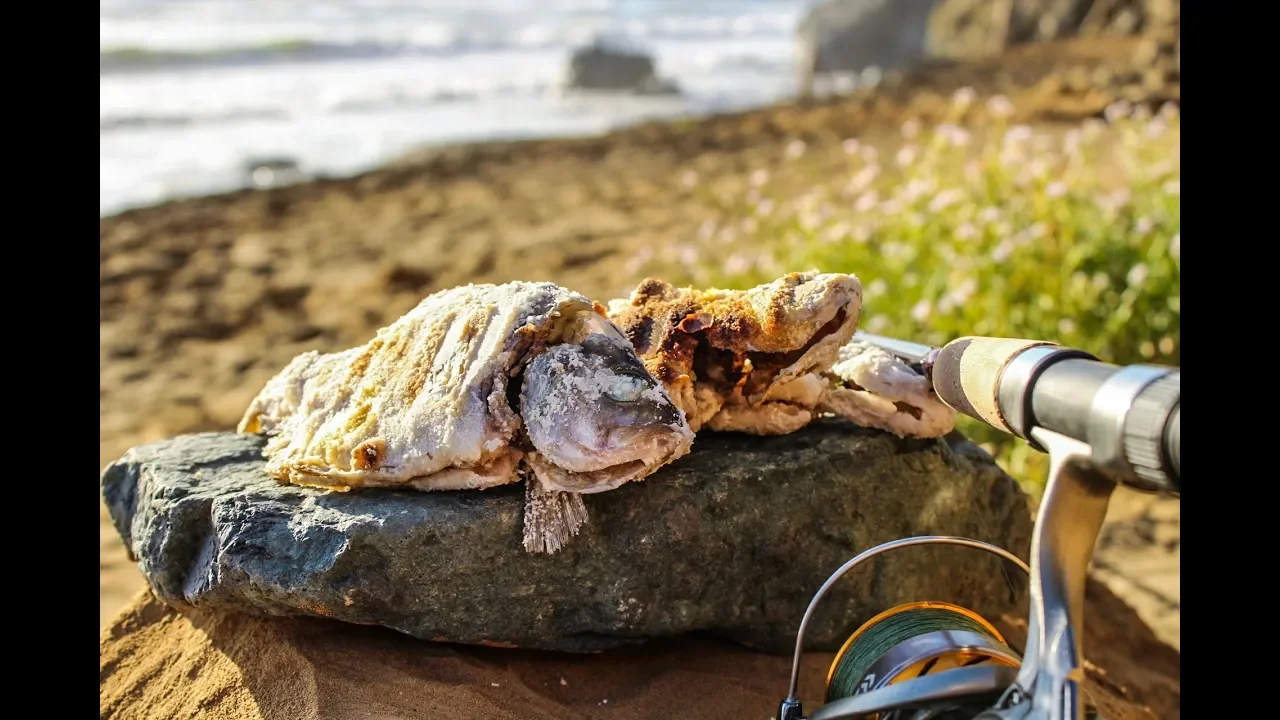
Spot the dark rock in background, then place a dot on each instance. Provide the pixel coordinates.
(851, 36)
(603, 67)
(734, 538)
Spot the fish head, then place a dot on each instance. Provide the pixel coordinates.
(596, 417)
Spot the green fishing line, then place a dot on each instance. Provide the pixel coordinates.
(883, 636)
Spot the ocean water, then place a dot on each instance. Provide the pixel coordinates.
(195, 93)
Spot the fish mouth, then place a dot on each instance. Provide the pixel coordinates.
(585, 483)
(642, 455)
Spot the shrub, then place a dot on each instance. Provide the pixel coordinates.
(1062, 234)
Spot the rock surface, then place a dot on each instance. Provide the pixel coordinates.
(598, 67)
(849, 36)
(159, 663)
(966, 29)
(733, 539)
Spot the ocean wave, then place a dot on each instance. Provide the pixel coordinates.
(405, 101)
(748, 62)
(165, 51)
(125, 59)
(143, 121)
(388, 100)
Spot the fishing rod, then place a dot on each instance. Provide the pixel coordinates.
(1102, 425)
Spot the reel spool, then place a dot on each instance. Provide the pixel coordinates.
(918, 661)
(912, 641)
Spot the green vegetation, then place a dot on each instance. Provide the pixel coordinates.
(1070, 235)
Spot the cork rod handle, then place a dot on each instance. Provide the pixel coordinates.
(966, 375)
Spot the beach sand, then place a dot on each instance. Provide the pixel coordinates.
(157, 662)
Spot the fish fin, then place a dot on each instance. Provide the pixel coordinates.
(551, 517)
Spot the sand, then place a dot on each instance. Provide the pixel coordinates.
(156, 662)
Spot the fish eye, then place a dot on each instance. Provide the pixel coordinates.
(625, 388)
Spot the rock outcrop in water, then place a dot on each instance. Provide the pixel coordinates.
(734, 539)
(602, 67)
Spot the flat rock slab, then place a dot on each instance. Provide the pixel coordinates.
(733, 539)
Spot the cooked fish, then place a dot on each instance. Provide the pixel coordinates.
(435, 402)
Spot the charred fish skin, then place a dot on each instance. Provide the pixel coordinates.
(769, 360)
(722, 353)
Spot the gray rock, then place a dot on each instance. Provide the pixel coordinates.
(602, 67)
(852, 36)
(654, 85)
(734, 539)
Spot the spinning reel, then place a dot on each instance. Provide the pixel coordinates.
(1101, 425)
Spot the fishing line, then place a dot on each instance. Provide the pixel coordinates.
(911, 641)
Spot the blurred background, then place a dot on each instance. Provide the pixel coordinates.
(279, 176)
(196, 94)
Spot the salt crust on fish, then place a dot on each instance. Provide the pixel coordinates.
(874, 388)
(424, 404)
